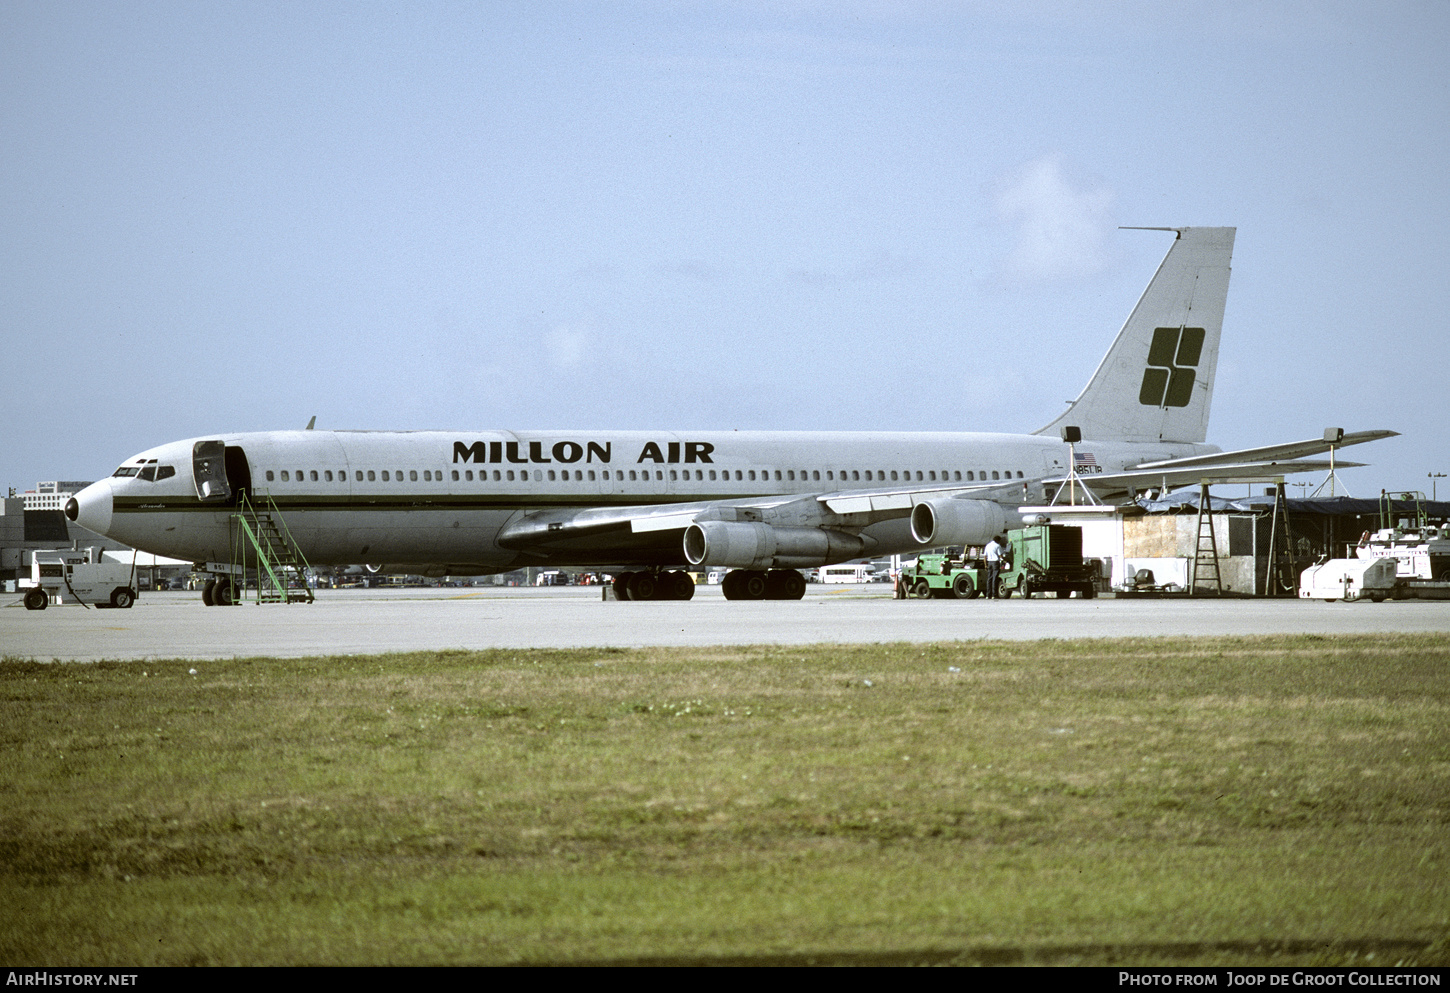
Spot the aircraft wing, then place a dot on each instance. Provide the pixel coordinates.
(568, 526)
(1272, 453)
(882, 505)
(600, 529)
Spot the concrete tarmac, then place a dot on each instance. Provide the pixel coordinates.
(347, 622)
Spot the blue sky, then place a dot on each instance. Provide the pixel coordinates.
(865, 215)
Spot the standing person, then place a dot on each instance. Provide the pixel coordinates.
(993, 554)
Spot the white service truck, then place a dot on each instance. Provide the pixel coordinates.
(1349, 580)
(83, 575)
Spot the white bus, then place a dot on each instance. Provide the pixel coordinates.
(845, 572)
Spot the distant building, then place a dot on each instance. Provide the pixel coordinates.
(23, 530)
(53, 495)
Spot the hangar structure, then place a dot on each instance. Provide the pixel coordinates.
(1254, 545)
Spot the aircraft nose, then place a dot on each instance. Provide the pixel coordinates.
(91, 507)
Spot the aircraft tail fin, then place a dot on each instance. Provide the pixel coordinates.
(1156, 382)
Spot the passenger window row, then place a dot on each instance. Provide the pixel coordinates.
(635, 475)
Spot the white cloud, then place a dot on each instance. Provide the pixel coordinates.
(1058, 226)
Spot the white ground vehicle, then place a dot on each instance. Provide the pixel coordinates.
(82, 575)
(1421, 552)
(1349, 579)
(845, 573)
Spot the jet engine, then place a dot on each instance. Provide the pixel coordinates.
(762, 546)
(939, 522)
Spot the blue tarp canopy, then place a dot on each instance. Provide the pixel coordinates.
(1180, 501)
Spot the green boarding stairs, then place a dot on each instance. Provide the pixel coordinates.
(261, 544)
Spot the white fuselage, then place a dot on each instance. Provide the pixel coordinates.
(438, 500)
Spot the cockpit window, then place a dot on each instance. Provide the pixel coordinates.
(150, 472)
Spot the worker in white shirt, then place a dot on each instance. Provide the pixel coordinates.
(993, 554)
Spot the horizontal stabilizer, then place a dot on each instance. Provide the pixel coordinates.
(1272, 453)
(1239, 472)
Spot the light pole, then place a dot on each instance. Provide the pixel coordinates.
(1433, 477)
(1332, 438)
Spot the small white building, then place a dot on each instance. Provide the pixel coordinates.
(1166, 544)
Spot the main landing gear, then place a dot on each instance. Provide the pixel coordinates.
(757, 584)
(670, 585)
(739, 584)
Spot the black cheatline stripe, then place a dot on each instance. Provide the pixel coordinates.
(141, 505)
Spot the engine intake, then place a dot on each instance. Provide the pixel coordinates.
(956, 522)
(762, 546)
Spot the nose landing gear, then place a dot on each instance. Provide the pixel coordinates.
(218, 593)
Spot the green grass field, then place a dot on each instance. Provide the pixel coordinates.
(1212, 801)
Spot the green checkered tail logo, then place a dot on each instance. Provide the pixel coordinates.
(1172, 358)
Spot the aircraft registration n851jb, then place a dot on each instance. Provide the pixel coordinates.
(764, 503)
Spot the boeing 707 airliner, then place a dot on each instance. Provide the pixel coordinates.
(761, 503)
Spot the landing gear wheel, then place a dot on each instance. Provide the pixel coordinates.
(621, 585)
(679, 585)
(785, 584)
(35, 599)
(754, 585)
(745, 584)
(730, 586)
(963, 588)
(208, 593)
(643, 586)
(122, 597)
(795, 587)
(221, 594)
